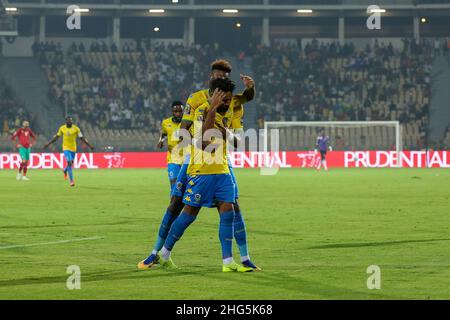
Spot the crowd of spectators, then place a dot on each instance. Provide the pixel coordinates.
(129, 88)
(133, 86)
(12, 111)
(329, 82)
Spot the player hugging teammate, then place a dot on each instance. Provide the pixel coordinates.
(204, 184)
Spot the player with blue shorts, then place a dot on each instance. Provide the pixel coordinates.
(199, 100)
(169, 132)
(69, 133)
(209, 182)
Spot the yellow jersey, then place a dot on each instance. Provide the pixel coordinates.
(237, 121)
(204, 162)
(69, 136)
(234, 116)
(174, 152)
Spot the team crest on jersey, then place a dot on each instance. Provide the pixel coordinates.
(171, 174)
(197, 197)
(200, 118)
(179, 185)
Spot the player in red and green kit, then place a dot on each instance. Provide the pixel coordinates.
(24, 134)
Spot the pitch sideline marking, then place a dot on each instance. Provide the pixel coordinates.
(49, 243)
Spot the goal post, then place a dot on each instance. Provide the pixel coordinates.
(344, 135)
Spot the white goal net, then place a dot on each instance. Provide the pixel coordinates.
(344, 135)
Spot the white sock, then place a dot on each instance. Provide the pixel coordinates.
(165, 254)
(154, 252)
(320, 164)
(325, 165)
(227, 260)
(245, 258)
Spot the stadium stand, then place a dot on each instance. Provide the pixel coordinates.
(327, 82)
(12, 113)
(123, 94)
(120, 95)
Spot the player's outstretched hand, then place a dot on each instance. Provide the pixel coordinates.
(92, 148)
(160, 144)
(45, 146)
(216, 99)
(248, 81)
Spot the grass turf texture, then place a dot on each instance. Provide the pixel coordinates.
(313, 233)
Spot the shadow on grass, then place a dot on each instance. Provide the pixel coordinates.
(256, 282)
(121, 274)
(372, 244)
(302, 288)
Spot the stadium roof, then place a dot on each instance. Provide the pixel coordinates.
(216, 10)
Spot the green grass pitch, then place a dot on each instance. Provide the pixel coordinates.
(313, 233)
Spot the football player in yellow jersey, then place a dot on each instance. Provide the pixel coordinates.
(69, 133)
(209, 180)
(219, 69)
(169, 130)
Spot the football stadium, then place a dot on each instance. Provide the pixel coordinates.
(224, 150)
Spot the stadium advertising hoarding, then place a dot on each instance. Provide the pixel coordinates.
(290, 159)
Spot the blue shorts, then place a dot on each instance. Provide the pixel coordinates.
(173, 169)
(70, 155)
(180, 185)
(207, 190)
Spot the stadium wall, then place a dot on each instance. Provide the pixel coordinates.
(291, 159)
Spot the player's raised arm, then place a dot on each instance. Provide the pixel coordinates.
(249, 92)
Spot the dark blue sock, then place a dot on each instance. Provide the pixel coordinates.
(226, 233)
(240, 234)
(65, 169)
(164, 228)
(180, 224)
(69, 170)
